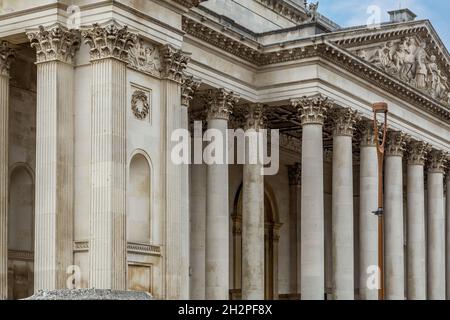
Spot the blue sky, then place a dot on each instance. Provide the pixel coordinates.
(354, 12)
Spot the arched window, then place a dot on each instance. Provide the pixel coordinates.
(139, 197)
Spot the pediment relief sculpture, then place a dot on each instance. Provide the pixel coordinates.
(409, 60)
(144, 57)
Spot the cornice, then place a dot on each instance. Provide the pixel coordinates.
(330, 51)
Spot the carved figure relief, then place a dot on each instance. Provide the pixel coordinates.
(145, 58)
(409, 61)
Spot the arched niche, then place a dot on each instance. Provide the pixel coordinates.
(21, 232)
(139, 199)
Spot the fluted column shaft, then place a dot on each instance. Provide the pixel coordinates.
(436, 227)
(368, 222)
(107, 251)
(342, 205)
(394, 238)
(6, 56)
(176, 176)
(416, 244)
(55, 49)
(253, 209)
(219, 106)
(108, 175)
(312, 113)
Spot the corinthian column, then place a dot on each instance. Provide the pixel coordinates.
(295, 189)
(6, 57)
(436, 226)
(311, 112)
(193, 187)
(109, 47)
(175, 101)
(416, 243)
(55, 47)
(253, 207)
(342, 204)
(219, 105)
(394, 238)
(368, 202)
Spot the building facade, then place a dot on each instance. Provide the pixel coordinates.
(92, 91)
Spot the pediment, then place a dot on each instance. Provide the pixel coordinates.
(412, 53)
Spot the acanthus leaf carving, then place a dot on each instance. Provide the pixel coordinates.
(7, 55)
(173, 63)
(344, 121)
(396, 143)
(417, 152)
(55, 43)
(312, 110)
(220, 103)
(189, 86)
(437, 161)
(109, 41)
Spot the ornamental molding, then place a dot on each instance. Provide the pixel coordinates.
(367, 133)
(109, 41)
(334, 49)
(255, 116)
(295, 174)
(411, 60)
(344, 121)
(396, 143)
(55, 43)
(132, 247)
(20, 255)
(312, 110)
(418, 152)
(7, 56)
(437, 161)
(144, 57)
(220, 103)
(140, 104)
(189, 86)
(189, 3)
(173, 62)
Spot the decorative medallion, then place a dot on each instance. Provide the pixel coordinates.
(140, 105)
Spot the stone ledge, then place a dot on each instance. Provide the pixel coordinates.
(89, 294)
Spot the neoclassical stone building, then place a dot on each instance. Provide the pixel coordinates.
(91, 92)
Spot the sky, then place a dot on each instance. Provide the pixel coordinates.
(348, 13)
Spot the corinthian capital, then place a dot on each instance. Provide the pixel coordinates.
(55, 43)
(312, 110)
(7, 55)
(367, 133)
(295, 174)
(173, 62)
(110, 41)
(396, 143)
(189, 85)
(220, 103)
(255, 117)
(437, 161)
(417, 153)
(344, 121)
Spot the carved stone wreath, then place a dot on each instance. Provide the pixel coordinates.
(140, 105)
